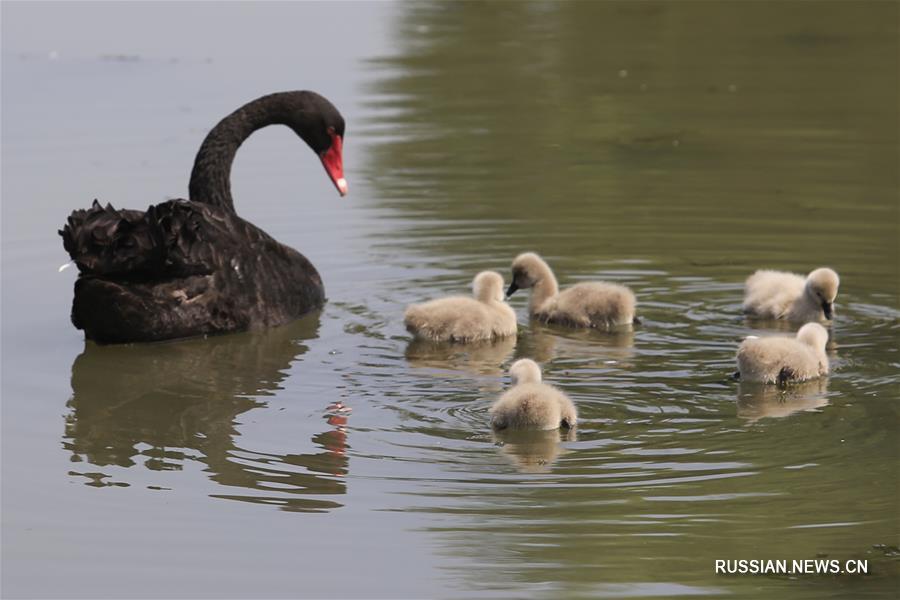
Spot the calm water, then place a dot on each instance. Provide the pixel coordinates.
(673, 147)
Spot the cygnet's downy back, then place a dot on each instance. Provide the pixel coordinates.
(462, 319)
(782, 359)
(530, 404)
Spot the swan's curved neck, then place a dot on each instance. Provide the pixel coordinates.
(211, 175)
(545, 287)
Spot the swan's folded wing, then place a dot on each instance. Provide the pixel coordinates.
(199, 238)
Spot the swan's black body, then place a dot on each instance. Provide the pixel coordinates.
(193, 267)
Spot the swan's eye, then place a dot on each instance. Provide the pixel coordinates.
(330, 130)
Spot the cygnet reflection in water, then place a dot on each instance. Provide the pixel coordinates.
(769, 325)
(533, 451)
(757, 401)
(544, 343)
(483, 357)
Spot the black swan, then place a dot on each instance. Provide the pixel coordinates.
(193, 267)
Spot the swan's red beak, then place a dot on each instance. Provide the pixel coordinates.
(333, 161)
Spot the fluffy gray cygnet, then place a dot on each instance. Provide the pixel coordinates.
(530, 404)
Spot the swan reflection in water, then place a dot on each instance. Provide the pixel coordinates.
(169, 403)
(533, 451)
(756, 401)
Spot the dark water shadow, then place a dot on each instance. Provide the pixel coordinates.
(164, 405)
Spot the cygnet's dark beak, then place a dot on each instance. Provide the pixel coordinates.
(828, 307)
(512, 289)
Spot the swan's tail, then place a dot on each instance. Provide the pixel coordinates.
(113, 243)
(172, 239)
